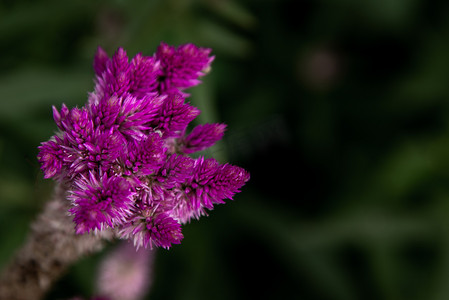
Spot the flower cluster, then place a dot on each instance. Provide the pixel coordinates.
(124, 156)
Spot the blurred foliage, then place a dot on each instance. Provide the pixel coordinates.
(338, 108)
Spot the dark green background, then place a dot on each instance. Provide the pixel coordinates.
(338, 108)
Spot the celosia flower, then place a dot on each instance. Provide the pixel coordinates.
(181, 67)
(174, 116)
(176, 170)
(124, 157)
(130, 115)
(144, 157)
(125, 274)
(149, 227)
(50, 157)
(100, 201)
(202, 137)
(209, 184)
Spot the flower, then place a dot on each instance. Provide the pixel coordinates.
(181, 67)
(124, 155)
(202, 137)
(150, 227)
(125, 274)
(209, 184)
(130, 115)
(144, 157)
(174, 116)
(100, 201)
(50, 158)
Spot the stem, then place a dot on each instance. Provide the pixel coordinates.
(52, 246)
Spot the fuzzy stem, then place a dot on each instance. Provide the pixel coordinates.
(52, 246)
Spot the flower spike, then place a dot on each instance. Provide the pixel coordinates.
(124, 155)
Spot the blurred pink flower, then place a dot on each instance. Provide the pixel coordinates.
(126, 273)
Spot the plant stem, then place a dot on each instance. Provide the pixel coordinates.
(52, 246)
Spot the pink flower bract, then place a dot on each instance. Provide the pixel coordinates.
(124, 155)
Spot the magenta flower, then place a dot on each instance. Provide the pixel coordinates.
(50, 157)
(181, 67)
(100, 201)
(144, 157)
(113, 75)
(130, 115)
(209, 184)
(79, 146)
(176, 170)
(123, 156)
(174, 116)
(152, 228)
(202, 137)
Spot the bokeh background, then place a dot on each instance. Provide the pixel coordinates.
(338, 108)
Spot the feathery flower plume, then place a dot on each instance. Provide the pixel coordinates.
(124, 155)
(202, 137)
(181, 67)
